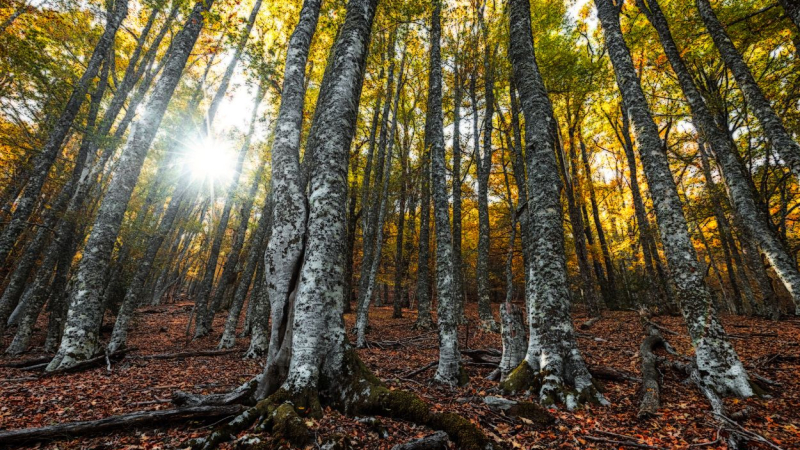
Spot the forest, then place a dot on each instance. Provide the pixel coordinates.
(399, 224)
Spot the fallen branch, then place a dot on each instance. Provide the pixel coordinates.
(126, 421)
(420, 370)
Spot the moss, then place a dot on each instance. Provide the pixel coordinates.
(289, 426)
(520, 379)
(759, 389)
(463, 376)
(464, 433)
(533, 412)
(397, 404)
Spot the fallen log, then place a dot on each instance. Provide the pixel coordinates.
(184, 355)
(651, 388)
(136, 419)
(435, 441)
(527, 410)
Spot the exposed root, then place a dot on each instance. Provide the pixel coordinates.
(551, 388)
(357, 392)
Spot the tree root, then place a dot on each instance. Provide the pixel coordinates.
(239, 395)
(551, 388)
(358, 392)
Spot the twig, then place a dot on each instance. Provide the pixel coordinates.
(420, 370)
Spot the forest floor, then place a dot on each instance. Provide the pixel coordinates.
(136, 384)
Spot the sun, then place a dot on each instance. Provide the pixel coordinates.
(210, 159)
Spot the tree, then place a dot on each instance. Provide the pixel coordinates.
(552, 347)
(716, 358)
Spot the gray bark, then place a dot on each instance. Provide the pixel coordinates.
(718, 362)
(289, 209)
(449, 369)
(552, 347)
(423, 291)
(319, 341)
(79, 341)
(773, 127)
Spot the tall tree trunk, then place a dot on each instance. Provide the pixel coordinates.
(578, 227)
(363, 306)
(449, 369)
(598, 225)
(374, 208)
(319, 340)
(742, 192)
(206, 307)
(258, 241)
(424, 319)
(458, 259)
(773, 127)
(237, 54)
(719, 365)
(55, 140)
(399, 260)
(484, 163)
(284, 253)
(79, 341)
(552, 346)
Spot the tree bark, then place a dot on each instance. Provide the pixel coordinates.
(722, 370)
(424, 319)
(79, 340)
(285, 247)
(552, 346)
(449, 369)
